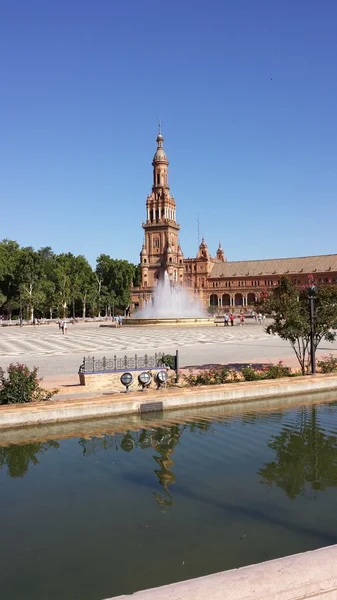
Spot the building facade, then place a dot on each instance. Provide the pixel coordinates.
(220, 284)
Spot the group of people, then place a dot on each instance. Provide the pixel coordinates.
(230, 318)
(259, 317)
(118, 321)
(63, 326)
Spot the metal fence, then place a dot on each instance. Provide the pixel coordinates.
(100, 365)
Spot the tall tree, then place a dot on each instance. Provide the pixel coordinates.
(9, 285)
(289, 307)
(84, 282)
(30, 274)
(63, 278)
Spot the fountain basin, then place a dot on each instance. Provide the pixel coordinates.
(170, 321)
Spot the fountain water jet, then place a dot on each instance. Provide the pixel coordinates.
(171, 305)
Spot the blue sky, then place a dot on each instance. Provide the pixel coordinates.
(247, 95)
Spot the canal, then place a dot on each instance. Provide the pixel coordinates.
(98, 509)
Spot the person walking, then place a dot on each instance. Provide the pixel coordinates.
(231, 318)
(242, 319)
(225, 323)
(64, 327)
(259, 318)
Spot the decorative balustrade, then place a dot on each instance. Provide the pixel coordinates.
(131, 363)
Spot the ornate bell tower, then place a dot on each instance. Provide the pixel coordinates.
(161, 251)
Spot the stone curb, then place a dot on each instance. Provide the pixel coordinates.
(307, 575)
(172, 398)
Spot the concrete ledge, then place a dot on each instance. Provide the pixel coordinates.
(171, 398)
(308, 575)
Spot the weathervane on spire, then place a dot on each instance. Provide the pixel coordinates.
(159, 125)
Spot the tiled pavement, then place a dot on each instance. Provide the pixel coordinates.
(47, 340)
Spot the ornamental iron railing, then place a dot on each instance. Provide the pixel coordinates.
(131, 363)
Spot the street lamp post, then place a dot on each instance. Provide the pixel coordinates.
(312, 295)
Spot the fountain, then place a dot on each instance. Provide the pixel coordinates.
(171, 305)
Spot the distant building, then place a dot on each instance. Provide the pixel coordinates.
(220, 284)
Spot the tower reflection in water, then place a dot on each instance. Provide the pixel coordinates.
(162, 440)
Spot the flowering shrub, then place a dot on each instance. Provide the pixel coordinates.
(267, 372)
(251, 374)
(328, 364)
(277, 371)
(222, 374)
(22, 385)
(212, 376)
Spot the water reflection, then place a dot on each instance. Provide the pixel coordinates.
(162, 439)
(306, 456)
(304, 461)
(17, 459)
(164, 442)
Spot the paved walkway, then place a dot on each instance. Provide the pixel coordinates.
(47, 340)
(57, 354)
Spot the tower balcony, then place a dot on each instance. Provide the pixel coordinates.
(161, 223)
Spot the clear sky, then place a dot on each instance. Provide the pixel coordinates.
(247, 94)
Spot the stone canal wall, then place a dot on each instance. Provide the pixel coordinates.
(110, 381)
(171, 398)
(307, 575)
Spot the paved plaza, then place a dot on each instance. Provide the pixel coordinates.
(57, 354)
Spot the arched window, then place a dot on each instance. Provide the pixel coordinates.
(213, 301)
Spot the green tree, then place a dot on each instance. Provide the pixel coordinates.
(289, 307)
(9, 284)
(48, 281)
(137, 277)
(30, 276)
(84, 282)
(115, 279)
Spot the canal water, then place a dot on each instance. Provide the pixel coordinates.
(101, 509)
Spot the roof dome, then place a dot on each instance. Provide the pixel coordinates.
(160, 155)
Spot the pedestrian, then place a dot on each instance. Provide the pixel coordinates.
(259, 318)
(60, 324)
(242, 319)
(64, 327)
(226, 320)
(231, 318)
(120, 320)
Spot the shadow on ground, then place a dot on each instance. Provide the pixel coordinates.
(236, 366)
